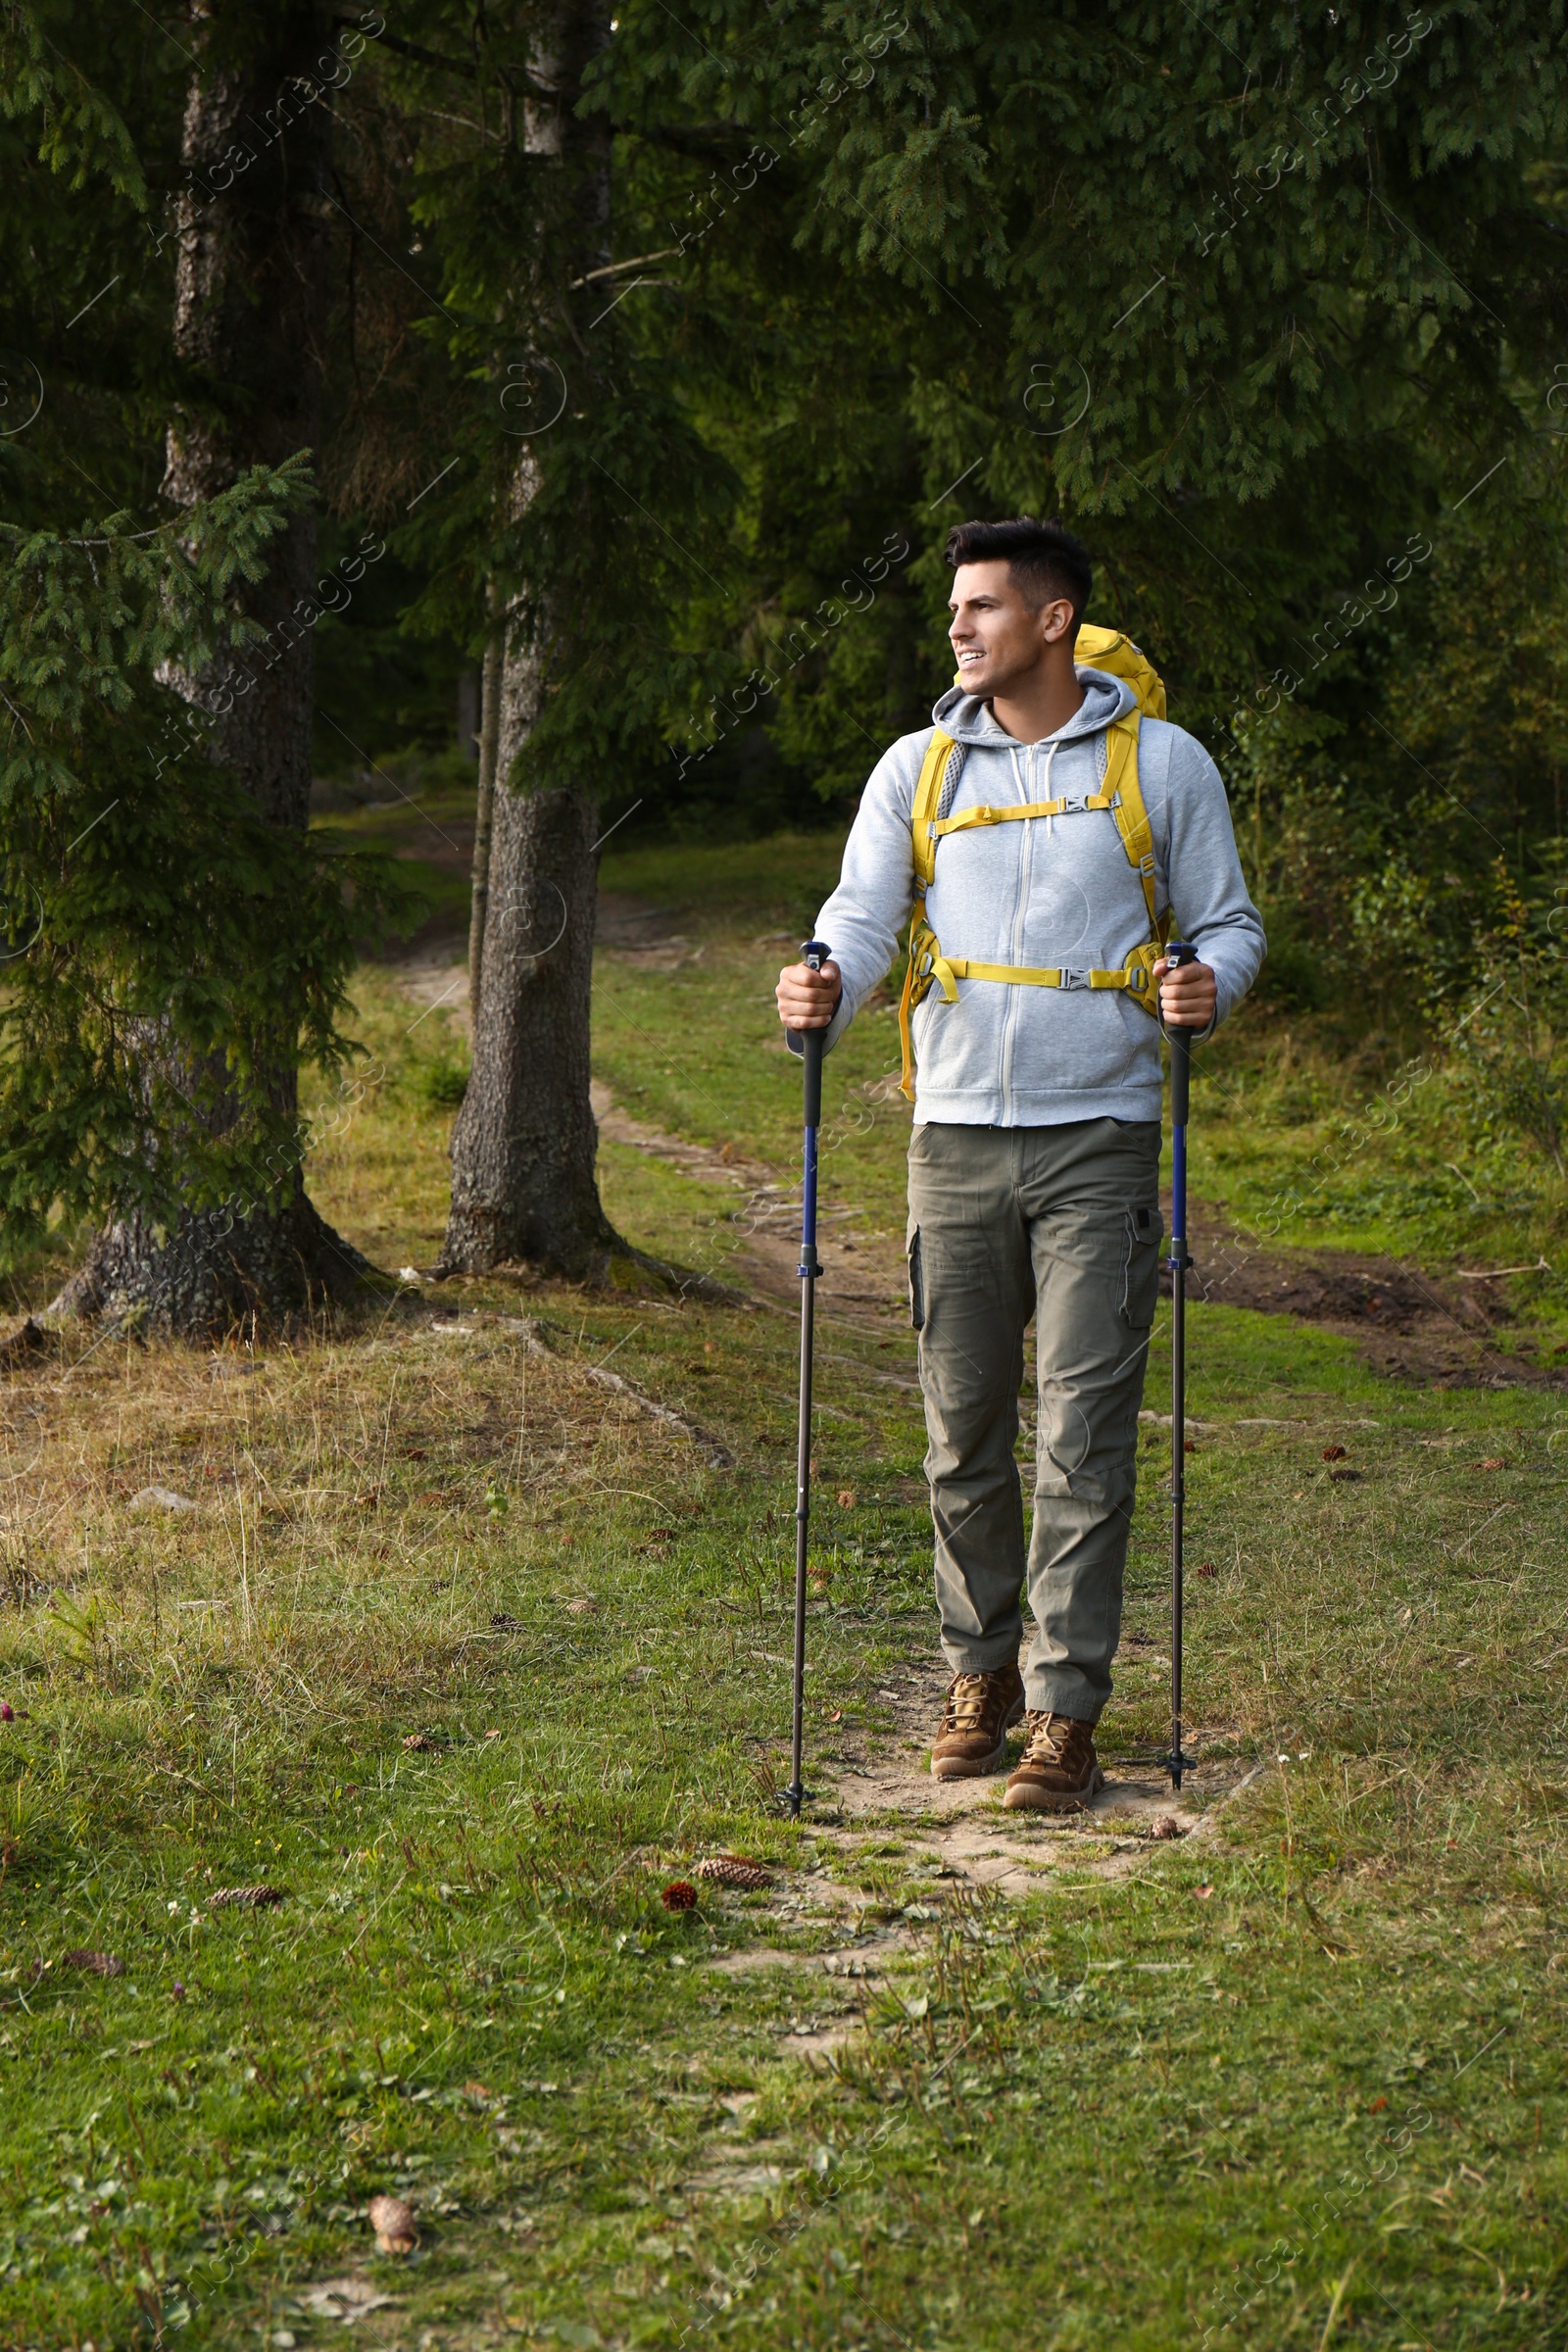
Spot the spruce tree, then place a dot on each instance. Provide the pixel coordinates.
(250, 299)
(176, 939)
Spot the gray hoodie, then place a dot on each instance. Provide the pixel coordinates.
(1052, 891)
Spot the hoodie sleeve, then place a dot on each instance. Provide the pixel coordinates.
(863, 918)
(1204, 886)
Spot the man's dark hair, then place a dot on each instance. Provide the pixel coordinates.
(1043, 559)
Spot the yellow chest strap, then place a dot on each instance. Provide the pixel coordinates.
(1119, 794)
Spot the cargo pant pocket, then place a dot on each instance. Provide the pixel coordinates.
(916, 1287)
(1144, 1229)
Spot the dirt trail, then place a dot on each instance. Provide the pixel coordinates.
(875, 1804)
(874, 1780)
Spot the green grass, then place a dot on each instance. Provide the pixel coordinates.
(1300, 2086)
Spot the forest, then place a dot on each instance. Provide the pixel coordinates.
(474, 489)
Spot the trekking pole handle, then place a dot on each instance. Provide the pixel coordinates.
(1179, 952)
(814, 953)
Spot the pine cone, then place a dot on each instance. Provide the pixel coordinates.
(679, 1895)
(96, 1964)
(253, 1896)
(733, 1869)
(396, 2230)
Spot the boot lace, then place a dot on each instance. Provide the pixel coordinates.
(1050, 1738)
(967, 1702)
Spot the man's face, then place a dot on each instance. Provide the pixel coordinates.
(997, 639)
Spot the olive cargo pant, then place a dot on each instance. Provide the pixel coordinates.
(1062, 1223)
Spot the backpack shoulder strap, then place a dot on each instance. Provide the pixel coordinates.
(1127, 804)
(927, 799)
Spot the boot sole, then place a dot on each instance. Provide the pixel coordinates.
(976, 1768)
(1027, 1796)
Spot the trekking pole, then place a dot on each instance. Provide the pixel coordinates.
(1177, 954)
(814, 953)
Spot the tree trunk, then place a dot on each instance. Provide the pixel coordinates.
(250, 319)
(522, 1150)
(484, 810)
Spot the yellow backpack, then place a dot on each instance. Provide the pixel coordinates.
(1093, 649)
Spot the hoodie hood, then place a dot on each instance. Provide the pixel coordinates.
(969, 721)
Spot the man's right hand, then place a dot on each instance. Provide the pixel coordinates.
(808, 999)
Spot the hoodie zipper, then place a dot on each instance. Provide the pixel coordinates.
(1020, 909)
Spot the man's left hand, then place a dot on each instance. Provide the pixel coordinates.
(1188, 994)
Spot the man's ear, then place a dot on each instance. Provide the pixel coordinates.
(1055, 621)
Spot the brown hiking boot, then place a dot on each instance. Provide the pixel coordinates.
(972, 1735)
(1059, 1771)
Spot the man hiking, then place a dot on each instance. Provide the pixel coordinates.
(1044, 831)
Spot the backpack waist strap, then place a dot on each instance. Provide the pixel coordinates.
(929, 969)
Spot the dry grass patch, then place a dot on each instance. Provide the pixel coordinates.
(267, 1548)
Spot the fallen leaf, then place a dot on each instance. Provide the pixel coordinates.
(1378, 2105)
(1204, 1893)
(342, 2298)
(1492, 1462)
(1207, 1568)
(586, 1607)
(92, 1964)
(837, 1715)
